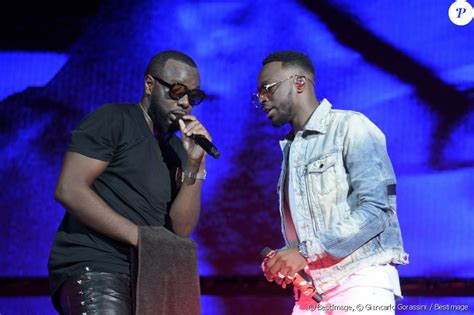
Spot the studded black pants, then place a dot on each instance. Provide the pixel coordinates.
(97, 293)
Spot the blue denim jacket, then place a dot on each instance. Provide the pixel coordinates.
(344, 191)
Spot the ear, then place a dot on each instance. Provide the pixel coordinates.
(148, 84)
(300, 83)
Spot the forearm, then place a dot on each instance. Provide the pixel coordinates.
(366, 219)
(364, 223)
(84, 204)
(184, 213)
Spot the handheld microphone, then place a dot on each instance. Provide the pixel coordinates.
(298, 281)
(202, 141)
(206, 145)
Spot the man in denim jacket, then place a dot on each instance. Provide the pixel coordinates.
(337, 196)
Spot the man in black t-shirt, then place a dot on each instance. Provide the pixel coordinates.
(126, 168)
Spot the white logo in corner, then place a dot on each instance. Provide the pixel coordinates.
(461, 12)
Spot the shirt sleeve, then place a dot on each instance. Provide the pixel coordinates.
(98, 135)
(371, 177)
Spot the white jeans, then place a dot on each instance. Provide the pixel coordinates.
(370, 291)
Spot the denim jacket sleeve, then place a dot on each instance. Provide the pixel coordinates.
(370, 176)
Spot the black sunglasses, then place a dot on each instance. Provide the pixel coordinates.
(178, 90)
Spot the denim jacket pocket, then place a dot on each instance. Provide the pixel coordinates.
(322, 172)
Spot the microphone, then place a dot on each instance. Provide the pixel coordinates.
(202, 141)
(298, 281)
(206, 145)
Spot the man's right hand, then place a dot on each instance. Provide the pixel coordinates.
(281, 266)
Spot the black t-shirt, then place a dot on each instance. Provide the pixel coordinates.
(140, 182)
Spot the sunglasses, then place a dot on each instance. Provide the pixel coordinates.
(266, 91)
(178, 90)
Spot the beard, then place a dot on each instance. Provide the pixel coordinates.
(160, 117)
(283, 112)
(278, 121)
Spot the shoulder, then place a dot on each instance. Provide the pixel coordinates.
(344, 114)
(349, 124)
(115, 109)
(350, 118)
(109, 114)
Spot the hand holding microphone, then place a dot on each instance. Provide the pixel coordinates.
(303, 286)
(190, 126)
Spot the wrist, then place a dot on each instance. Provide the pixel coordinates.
(196, 166)
(134, 236)
(200, 175)
(303, 249)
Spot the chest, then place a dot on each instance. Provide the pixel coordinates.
(148, 168)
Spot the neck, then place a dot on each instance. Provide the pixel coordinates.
(148, 120)
(161, 136)
(304, 114)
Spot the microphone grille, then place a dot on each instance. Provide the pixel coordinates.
(264, 252)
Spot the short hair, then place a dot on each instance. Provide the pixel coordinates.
(291, 58)
(157, 63)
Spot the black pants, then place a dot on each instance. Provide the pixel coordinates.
(97, 293)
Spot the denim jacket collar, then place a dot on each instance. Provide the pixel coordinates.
(317, 123)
